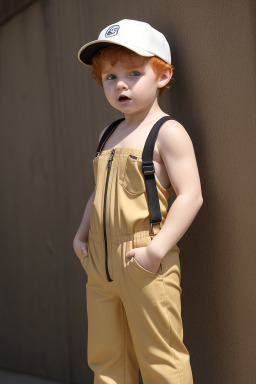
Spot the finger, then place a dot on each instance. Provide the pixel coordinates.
(130, 254)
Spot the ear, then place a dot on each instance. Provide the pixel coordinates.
(164, 78)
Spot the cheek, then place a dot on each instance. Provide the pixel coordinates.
(145, 90)
(109, 96)
(105, 87)
(107, 91)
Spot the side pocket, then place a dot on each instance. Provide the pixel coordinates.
(85, 260)
(146, 271)
(132, 179)
(144, 242)
(170, 263)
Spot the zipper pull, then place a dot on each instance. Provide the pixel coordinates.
(111, 157)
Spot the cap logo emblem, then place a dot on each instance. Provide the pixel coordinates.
(112, 31)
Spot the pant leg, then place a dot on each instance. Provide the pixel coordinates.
(153, 307)
(110, 349)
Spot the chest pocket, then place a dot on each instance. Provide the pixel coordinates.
(131, 176)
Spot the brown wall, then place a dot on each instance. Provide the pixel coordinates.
(51, 116)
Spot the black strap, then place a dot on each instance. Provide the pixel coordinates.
(149, 170)
(107, 133)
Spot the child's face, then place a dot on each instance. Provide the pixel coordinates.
(138, 83)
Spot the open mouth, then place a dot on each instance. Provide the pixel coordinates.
(123, 98)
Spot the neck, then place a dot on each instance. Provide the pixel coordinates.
(145, 115)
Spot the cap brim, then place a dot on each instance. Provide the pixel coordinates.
(86, 53)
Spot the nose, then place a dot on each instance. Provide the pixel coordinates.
(121, 85)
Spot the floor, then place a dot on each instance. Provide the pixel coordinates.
(18, 378)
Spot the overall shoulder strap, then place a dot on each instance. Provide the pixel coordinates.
(106, 134)
(149, 171)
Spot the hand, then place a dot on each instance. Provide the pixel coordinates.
(145, 258)
(81, 249)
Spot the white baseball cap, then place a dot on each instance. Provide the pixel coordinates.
(135, 35)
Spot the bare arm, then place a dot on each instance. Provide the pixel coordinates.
(81, 238)
(176, 150)
(178, 155)
(83, 230)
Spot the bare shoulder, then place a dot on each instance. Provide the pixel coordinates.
(177, 151)
(173, 139)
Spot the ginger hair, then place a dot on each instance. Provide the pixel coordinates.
(114, 53)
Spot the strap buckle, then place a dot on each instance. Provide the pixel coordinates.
(155, 231)
(148, 167)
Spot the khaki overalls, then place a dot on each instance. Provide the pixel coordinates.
(134, 315)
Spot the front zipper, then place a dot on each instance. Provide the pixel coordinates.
(104, 212)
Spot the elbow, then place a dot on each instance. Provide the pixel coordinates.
(200, 201)
(195, 200)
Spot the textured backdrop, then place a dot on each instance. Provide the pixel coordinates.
(51, 114)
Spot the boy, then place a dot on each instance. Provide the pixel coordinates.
(126, 241)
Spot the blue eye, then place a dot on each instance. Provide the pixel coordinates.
(111, 77)
(135, 73)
